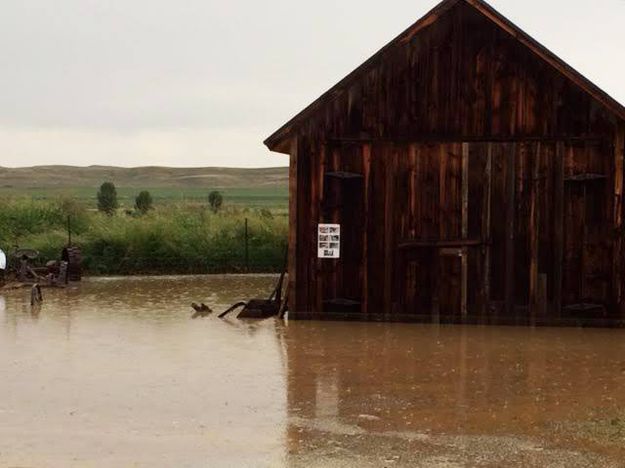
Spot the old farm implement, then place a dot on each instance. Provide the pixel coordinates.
(24, 267)
(262, 308)
(275, 305)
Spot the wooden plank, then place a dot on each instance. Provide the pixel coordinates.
(366, 158)
(465, 231)
(534, 233)
(316, 186)
(443, 193)
(464, 286)
(334, 267)
(465, 190)
(389, 205)
(430, 244)
(558, 230)
(618, 271)
(293, 231)
(321, 276)
(510, 205)
(305, 233)
(486, 230)
(434, 260)
(541, 296)
(375, 241)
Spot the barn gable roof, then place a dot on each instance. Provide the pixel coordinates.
(275, 140)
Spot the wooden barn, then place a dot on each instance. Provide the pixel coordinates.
(463, 174)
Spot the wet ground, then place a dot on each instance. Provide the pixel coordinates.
(115, 373)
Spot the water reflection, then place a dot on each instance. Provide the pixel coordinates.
(114, 372)
(428, 391)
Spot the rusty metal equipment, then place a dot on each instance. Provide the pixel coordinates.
(262, 308)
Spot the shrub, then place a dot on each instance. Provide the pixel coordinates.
(143, 202)
(107, 198)
(215, 200)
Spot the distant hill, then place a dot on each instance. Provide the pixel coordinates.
(267, 188)
(67, 177)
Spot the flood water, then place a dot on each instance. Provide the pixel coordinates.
(115, 373)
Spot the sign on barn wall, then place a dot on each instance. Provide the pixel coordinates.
(329, 240)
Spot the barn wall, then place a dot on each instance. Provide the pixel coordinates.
(531, 227)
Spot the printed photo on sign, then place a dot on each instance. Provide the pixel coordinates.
(329, 241)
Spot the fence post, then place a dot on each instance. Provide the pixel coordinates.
(247, 249)
(69, 231)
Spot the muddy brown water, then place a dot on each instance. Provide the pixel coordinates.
(115, 373)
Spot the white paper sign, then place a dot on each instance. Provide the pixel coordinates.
(329, 241)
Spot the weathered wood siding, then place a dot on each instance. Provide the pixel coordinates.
(462, 77)
(402, 227)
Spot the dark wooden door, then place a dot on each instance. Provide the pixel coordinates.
(585, 276)
(343, 204)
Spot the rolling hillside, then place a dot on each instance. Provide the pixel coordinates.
(253, 187)
(93, 176)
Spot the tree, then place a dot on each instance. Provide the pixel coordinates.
(107, 198)
(215, 200)
(143, 202)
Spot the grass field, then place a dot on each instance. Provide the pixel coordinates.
(253, 197)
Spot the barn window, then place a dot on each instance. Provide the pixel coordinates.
(338, 190)
(591, 187)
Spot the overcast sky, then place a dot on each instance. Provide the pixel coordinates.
(204, 82)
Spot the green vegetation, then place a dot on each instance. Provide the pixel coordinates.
(107, 198)
(143, 202)
(173, 239)
(273, 198)
(215, 200)
(180, 234)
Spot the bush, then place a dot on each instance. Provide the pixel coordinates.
(107, 198)
(143, 202)
(215, 200)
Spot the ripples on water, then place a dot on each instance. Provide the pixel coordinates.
(114, 373)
